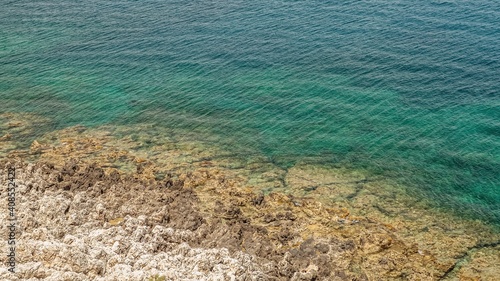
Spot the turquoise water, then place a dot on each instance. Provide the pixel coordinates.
(407, 90)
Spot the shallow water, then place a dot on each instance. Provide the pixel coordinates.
(406, 91)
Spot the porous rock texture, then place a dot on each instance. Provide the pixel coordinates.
(79, 223)
(76, 223)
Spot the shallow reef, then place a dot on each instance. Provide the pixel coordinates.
(141, 203)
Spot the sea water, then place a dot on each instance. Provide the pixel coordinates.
(405, 90)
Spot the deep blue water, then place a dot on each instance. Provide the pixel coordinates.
(407, 90)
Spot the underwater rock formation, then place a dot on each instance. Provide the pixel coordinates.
(92, 206)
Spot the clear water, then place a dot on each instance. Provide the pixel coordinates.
(407, 90)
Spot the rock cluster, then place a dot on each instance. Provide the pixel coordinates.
(76, 223)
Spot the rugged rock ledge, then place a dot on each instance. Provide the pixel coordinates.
(90, 207)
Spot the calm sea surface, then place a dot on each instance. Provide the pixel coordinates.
(406, 90)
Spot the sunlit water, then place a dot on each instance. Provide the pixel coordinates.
(406, 90)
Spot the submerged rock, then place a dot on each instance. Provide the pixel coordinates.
(93, 208)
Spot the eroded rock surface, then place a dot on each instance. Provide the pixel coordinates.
(90, 207)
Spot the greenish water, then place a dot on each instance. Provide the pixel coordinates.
(407, 91)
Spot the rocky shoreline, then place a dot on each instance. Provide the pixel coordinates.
(92, 206)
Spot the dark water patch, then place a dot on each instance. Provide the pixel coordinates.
(491, 130)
